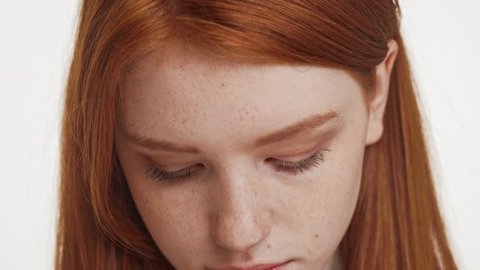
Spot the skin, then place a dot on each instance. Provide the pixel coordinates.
(236, 207)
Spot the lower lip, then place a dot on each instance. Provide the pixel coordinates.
(279, 267)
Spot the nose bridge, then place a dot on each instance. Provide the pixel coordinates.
(240, 221)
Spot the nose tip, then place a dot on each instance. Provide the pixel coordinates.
(240, 230)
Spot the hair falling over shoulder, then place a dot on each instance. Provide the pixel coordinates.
(397, 222)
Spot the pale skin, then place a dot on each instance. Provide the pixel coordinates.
(238, 205)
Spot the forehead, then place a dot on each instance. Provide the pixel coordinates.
(178, 92)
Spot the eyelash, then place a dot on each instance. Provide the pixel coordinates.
(288, 167)
(296, 167)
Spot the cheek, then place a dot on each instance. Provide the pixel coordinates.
(325, 209)
(168, 215)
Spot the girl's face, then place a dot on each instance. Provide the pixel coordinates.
(237, 165)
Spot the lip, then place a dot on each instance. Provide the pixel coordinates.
(268, 266)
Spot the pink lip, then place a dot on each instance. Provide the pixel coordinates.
(273, 266)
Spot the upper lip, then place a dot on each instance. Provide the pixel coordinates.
(267, 266)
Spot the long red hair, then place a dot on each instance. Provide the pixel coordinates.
(396, 224)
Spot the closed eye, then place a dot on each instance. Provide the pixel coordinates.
(161, 175)
(288, 167)
(296, 167)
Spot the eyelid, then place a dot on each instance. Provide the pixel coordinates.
(296, 167)
(312, 142)
(306, 154)
(288, 167)
(154, 172)
(295, 155)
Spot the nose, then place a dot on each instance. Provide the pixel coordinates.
(241, 220)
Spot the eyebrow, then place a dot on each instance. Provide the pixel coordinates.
(288, 132)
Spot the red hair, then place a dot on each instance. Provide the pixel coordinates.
(396, 224)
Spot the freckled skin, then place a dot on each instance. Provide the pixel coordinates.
(237, 209)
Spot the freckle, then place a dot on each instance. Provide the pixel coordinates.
(268, 246)
(316, 235)
(223, 84)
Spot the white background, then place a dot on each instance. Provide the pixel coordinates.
(36, 39)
